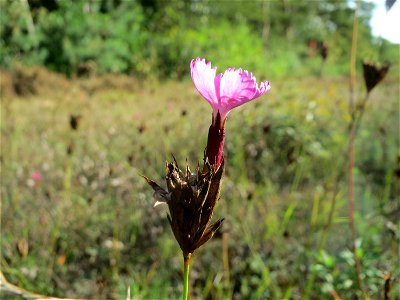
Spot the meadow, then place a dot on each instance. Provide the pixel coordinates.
(86, 227)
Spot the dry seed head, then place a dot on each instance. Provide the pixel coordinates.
(373, 74)
(191, 199)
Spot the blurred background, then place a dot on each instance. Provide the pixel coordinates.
(158, 38)
(96, 92)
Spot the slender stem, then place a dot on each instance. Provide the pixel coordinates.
(186, 262)
(353, 56)
(354, 124)
(351, 155)
(351, 204)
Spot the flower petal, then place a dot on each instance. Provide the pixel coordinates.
(203, 77)
(238, 87)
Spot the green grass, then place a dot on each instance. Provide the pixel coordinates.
(90, 226)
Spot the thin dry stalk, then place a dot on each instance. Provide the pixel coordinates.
(356, 113)
(351, 210)
(335, 295)
(351, 154)
(10, 288)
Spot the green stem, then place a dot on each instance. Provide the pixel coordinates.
(186, 262)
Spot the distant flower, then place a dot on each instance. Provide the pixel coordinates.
(36, 177)
(225, 91)
(136, 115)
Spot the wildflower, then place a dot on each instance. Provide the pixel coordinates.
(192, 197)
(224, 92)
(36, 177)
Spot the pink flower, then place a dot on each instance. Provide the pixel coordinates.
(225, 91)
(36, 176)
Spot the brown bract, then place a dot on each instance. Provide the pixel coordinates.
(191, 199)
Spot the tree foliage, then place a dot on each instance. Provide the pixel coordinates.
(159, 38)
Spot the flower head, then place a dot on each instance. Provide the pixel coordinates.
(225, 91)
(191, 199)
(36, 177)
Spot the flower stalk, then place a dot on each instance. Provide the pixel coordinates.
(186, 265)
